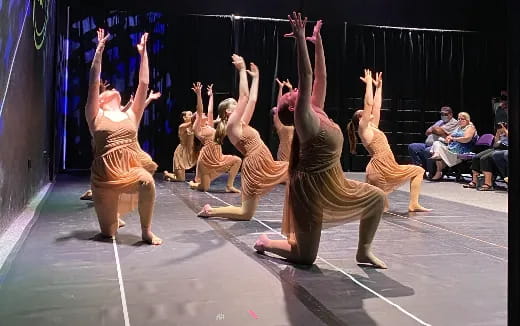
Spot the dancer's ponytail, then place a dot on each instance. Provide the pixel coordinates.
(352, 128)
(220, 130)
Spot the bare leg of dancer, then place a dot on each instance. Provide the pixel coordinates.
(242, 213)
(105, 203)
(304, 253)
(232, 175)
(415, 190)
(146, 205)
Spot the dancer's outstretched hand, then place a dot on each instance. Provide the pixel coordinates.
(102, 39)
(315, 32)
(210, 90)
(141, 46)
(154, 96)
(280, 84)
(197, 88)
(288, 84)
(239, 62)
(378, 81)
(368, 77)
(297, 25)
(253, 72)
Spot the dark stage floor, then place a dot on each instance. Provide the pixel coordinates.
(447, 267)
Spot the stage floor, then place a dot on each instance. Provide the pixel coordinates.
(446, 267)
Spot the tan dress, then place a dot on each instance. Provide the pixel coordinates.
(185, 157)
(285, 135)
(211, 161)
(260, 172)
(119, 164)
(382, 170)
(318, 191)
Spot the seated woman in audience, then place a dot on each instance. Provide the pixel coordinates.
(484, 163)
(459, 142)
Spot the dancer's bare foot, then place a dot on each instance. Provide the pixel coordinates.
(370, 258)
(193, 184)
(87, 195)
(418, 208)
(261, 243)
(169, 176)
(205, 212)
(151, 238)
(121, 222)
(232, 189)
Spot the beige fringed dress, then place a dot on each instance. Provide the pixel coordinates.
(119, 165)
(383, 171)
(211, 161)
(318, 191)
(260, 172)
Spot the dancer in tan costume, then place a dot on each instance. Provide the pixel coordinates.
(211, 162)
(260, 172)
(186, 155)
(317, 190)
(285, 133)
(145, 158)
(120, 172)
(382, 170)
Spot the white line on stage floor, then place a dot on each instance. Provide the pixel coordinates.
(447, 230)
(121, 284)
(342, 272)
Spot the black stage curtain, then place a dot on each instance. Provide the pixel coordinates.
(423, 70)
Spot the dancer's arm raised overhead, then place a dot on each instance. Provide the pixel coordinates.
(210, 105)
(253, 93)
(92, 106)
(319, 89)
(243, 91)
(306, 122)
(378, 99)
(197, 88)
(276, 120)
(137, 108)
(369, 100)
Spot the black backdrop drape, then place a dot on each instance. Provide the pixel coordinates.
(422, 69)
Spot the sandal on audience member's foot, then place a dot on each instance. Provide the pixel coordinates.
(438, 179)
(485, 187)
(471, 185)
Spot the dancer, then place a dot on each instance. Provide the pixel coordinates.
(120, 178)
(186, 153)
(317, 190)
(211, 162)
(260, 172)
(285, 133)
(145, 158)
(382, 170)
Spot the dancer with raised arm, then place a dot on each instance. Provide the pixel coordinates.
(211, 162)
(120, 179)
(147, 161)
(382, 171)
(260, 172)
(186, 153)
(317, 190)
(285, 133)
